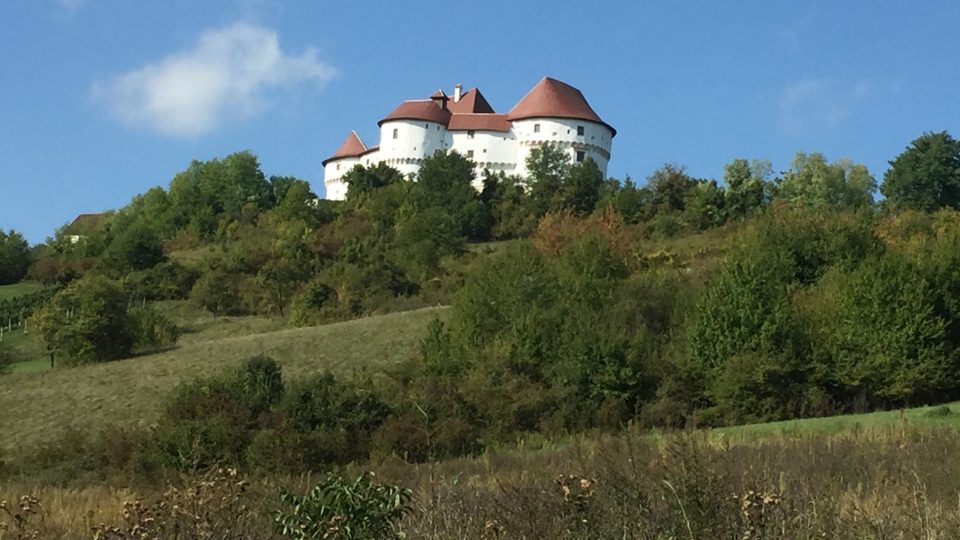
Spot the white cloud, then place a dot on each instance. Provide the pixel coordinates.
(819, 104)
(228, 75)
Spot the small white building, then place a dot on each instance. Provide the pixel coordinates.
(552, 112)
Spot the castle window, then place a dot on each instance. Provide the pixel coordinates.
(338, 166)
(396, 132)
(580, 131)
(470, 154)
(471, 133)
(580, 156)
(536, 128)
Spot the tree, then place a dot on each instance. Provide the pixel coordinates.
(580, 191)
(669, 186)
(547, 167)
(136, 247)
(926, 176)
(362, 180)
(746, 186)
(813, 182)
(14, 257)
(445, 182)
(87, 321)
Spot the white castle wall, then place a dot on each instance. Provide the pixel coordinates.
(594, 143)
(498, 151)
(405, 143)
(494, 150)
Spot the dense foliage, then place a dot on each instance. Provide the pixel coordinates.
(597, 310)
(15, 257)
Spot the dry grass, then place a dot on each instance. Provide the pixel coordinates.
(37, 406)
(894, 482)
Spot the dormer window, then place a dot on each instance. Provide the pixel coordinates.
(580, 131)
(536, 128)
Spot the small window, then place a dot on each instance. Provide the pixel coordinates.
(338, 166)
(471, 133)
(536, 128)
(580, 131)
(395, 132)
(484, 150)
(469, 153)
(580, 156)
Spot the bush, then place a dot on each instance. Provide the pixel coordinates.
(219, 293)
(153, 330)
(338, 509)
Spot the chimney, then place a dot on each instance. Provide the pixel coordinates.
(457, 91)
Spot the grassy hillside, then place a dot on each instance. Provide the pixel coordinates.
(37, 406)
(18, 289)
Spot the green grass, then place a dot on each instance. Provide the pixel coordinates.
(18, 289)
(934, 416)
(37, 406)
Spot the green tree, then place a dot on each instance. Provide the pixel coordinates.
(15, 257)
(87, 322)
(506, 202)
(705, 205)
(136, 247)
(746, 187)
(547, 167)
(669, 186)
(362, 180)
(926, 176)
(580, 190)
(813, 182)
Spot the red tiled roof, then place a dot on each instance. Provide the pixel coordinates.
(551, 98)
(424, 109)
(471, 101)
(479, 122)
(352, 147)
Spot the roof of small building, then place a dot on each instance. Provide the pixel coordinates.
(551, 98)
(86, 223)
(479, 122)
(352, 147)
(418, 109)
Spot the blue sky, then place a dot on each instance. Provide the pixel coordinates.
(103, 99)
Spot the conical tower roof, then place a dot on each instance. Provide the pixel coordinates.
(352, 147)
(551, 98)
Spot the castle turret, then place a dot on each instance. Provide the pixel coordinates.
(555, 112)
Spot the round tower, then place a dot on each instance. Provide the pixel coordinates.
(556, 113)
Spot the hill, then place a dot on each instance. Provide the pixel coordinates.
(37, 406)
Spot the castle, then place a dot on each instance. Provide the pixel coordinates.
(552, 112)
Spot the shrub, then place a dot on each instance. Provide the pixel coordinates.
(338, 509)
(152, 329)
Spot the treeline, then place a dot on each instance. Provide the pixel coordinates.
(823, 302)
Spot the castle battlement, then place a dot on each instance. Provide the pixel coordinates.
(552, 112)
